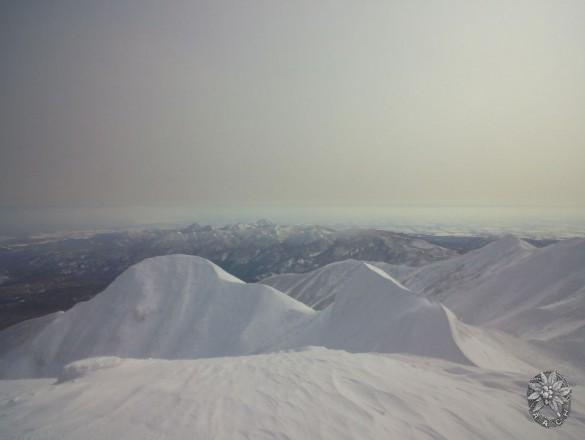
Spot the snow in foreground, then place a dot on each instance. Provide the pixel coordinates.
(313, 393)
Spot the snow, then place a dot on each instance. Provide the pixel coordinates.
(182, 307)
(374, 313)
(468, 269)
(308, 394)
(317, 288)
(177, 348)
(536, 294)
(81, 368)
(169, 307)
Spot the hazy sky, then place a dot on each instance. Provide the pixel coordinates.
(191, 103)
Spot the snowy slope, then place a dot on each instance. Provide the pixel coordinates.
(374, 313)
(469, 269)
(317, 288)
(183, 307)
(309, 394)
(536, 294)
(168, 307)
(550, 278)
(509, 285)
(541, 298)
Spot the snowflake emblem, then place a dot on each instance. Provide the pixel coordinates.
(549, 398)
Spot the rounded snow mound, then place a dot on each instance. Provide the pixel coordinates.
(168, 307)
(372, 312)
(181, 263)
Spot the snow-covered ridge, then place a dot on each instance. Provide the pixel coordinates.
(507, 285)
(536, 294)
(223, 359)
(184, 307)
(167, 307)
(317, 288)
(372, 312)
(468, 269)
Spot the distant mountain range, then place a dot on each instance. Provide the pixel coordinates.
(47, 273)
(40, 275)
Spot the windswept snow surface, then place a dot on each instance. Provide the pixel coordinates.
(305, 394)
(177, 348)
